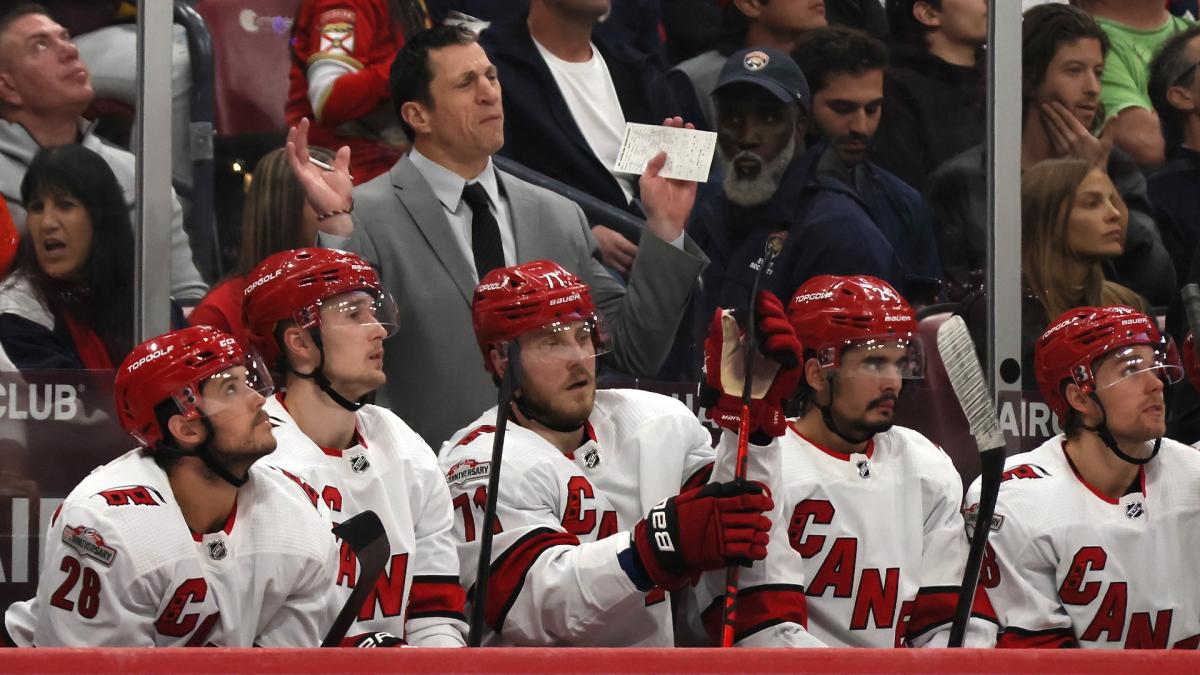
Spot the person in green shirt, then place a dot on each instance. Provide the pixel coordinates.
(1136, 30)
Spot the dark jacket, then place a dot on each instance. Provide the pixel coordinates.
(1173, 191)
(539, 130)
(932, 110)
(957, 196)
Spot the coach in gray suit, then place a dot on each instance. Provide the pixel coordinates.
(443, 214)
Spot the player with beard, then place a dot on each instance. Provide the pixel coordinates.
(1092, 540)
(603, 502)
(871, 508)
(322, 315)
(189, 540)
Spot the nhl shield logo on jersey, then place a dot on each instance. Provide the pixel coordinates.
(1134, 510)
(591, 458)
(359, 463)
(217, 550)
(89, 543)
(864, 469)
(466, 471)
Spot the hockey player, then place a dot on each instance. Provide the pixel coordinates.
(871, 509)
(1094, 530)
(322, 315)
(574, 563)
(190, 540)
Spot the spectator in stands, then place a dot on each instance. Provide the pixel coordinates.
(845, 68)
(1073, 220)
(444, 216)
(1063, 54)
(1136, 30)
(69, 302)
(745, 23)
(567, 94)
(275, 217)
(934, 98)
(1172, 190)
(44, 87)
(342, 52)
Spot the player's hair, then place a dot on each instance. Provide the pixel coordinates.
(274, 209)
(1172, 68)
(1047, 197)
(411, 75)
(823, 53)
(102, 298)
(1044, 30)
(905, 29)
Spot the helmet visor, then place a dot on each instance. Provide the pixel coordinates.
(883, 357)
(1135, 361)
(362, 310)
(229, 388)
(565, 341)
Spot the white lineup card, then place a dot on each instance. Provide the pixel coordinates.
(689, 151)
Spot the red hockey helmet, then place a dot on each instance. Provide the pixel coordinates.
(297, 284)
(173, 366)
(512, 301)
(831, 313)
(1070, 347)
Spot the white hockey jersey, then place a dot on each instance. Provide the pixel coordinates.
(877, 550)
(122, 568)
(393, 472)
(1069, 566)
(562, 520)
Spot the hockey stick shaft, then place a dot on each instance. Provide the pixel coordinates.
(729, 608)
(365, 535)
(484, 569)
(992, 461)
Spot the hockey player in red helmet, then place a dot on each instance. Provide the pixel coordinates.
(1093, 533)
(322, 316)
(164, 546)
(871, 509)
(576, 560)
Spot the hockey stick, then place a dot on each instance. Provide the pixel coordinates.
(1191, 307)
(364, 534)
(484, 570)
(966, 376)
(729, 609)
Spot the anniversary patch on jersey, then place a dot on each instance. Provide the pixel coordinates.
(337, 39)
(465, 471)
(88, 542)
(971, 515)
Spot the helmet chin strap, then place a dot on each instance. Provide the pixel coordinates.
(203, 453)
(1106, 436)
(827, 416)
(318, 377)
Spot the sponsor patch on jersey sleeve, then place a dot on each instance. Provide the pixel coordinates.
(466, 471)
(971, 516)
(89, 542)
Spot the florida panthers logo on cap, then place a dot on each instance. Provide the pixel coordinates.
(756, 61)
(217, 550)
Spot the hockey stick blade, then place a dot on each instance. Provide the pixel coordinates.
(364, 534)
(484, 566)
(966, 377)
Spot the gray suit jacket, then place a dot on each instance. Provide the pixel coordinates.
(436, 381)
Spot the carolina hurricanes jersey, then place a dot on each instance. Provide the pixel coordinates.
(390, 470)
(1069, 566)
(876, 555)
(122, 569)
(562, 520)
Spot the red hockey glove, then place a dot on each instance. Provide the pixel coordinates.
(706, 528)
(370, 640)
(775, 375)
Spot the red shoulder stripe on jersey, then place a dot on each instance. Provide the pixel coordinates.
(1052, 638)
(476, 433)
(436, 595)
(759, 608)
(698, 479)
(509, 570)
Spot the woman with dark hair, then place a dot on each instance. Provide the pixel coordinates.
(275, 218)
(69, 302)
